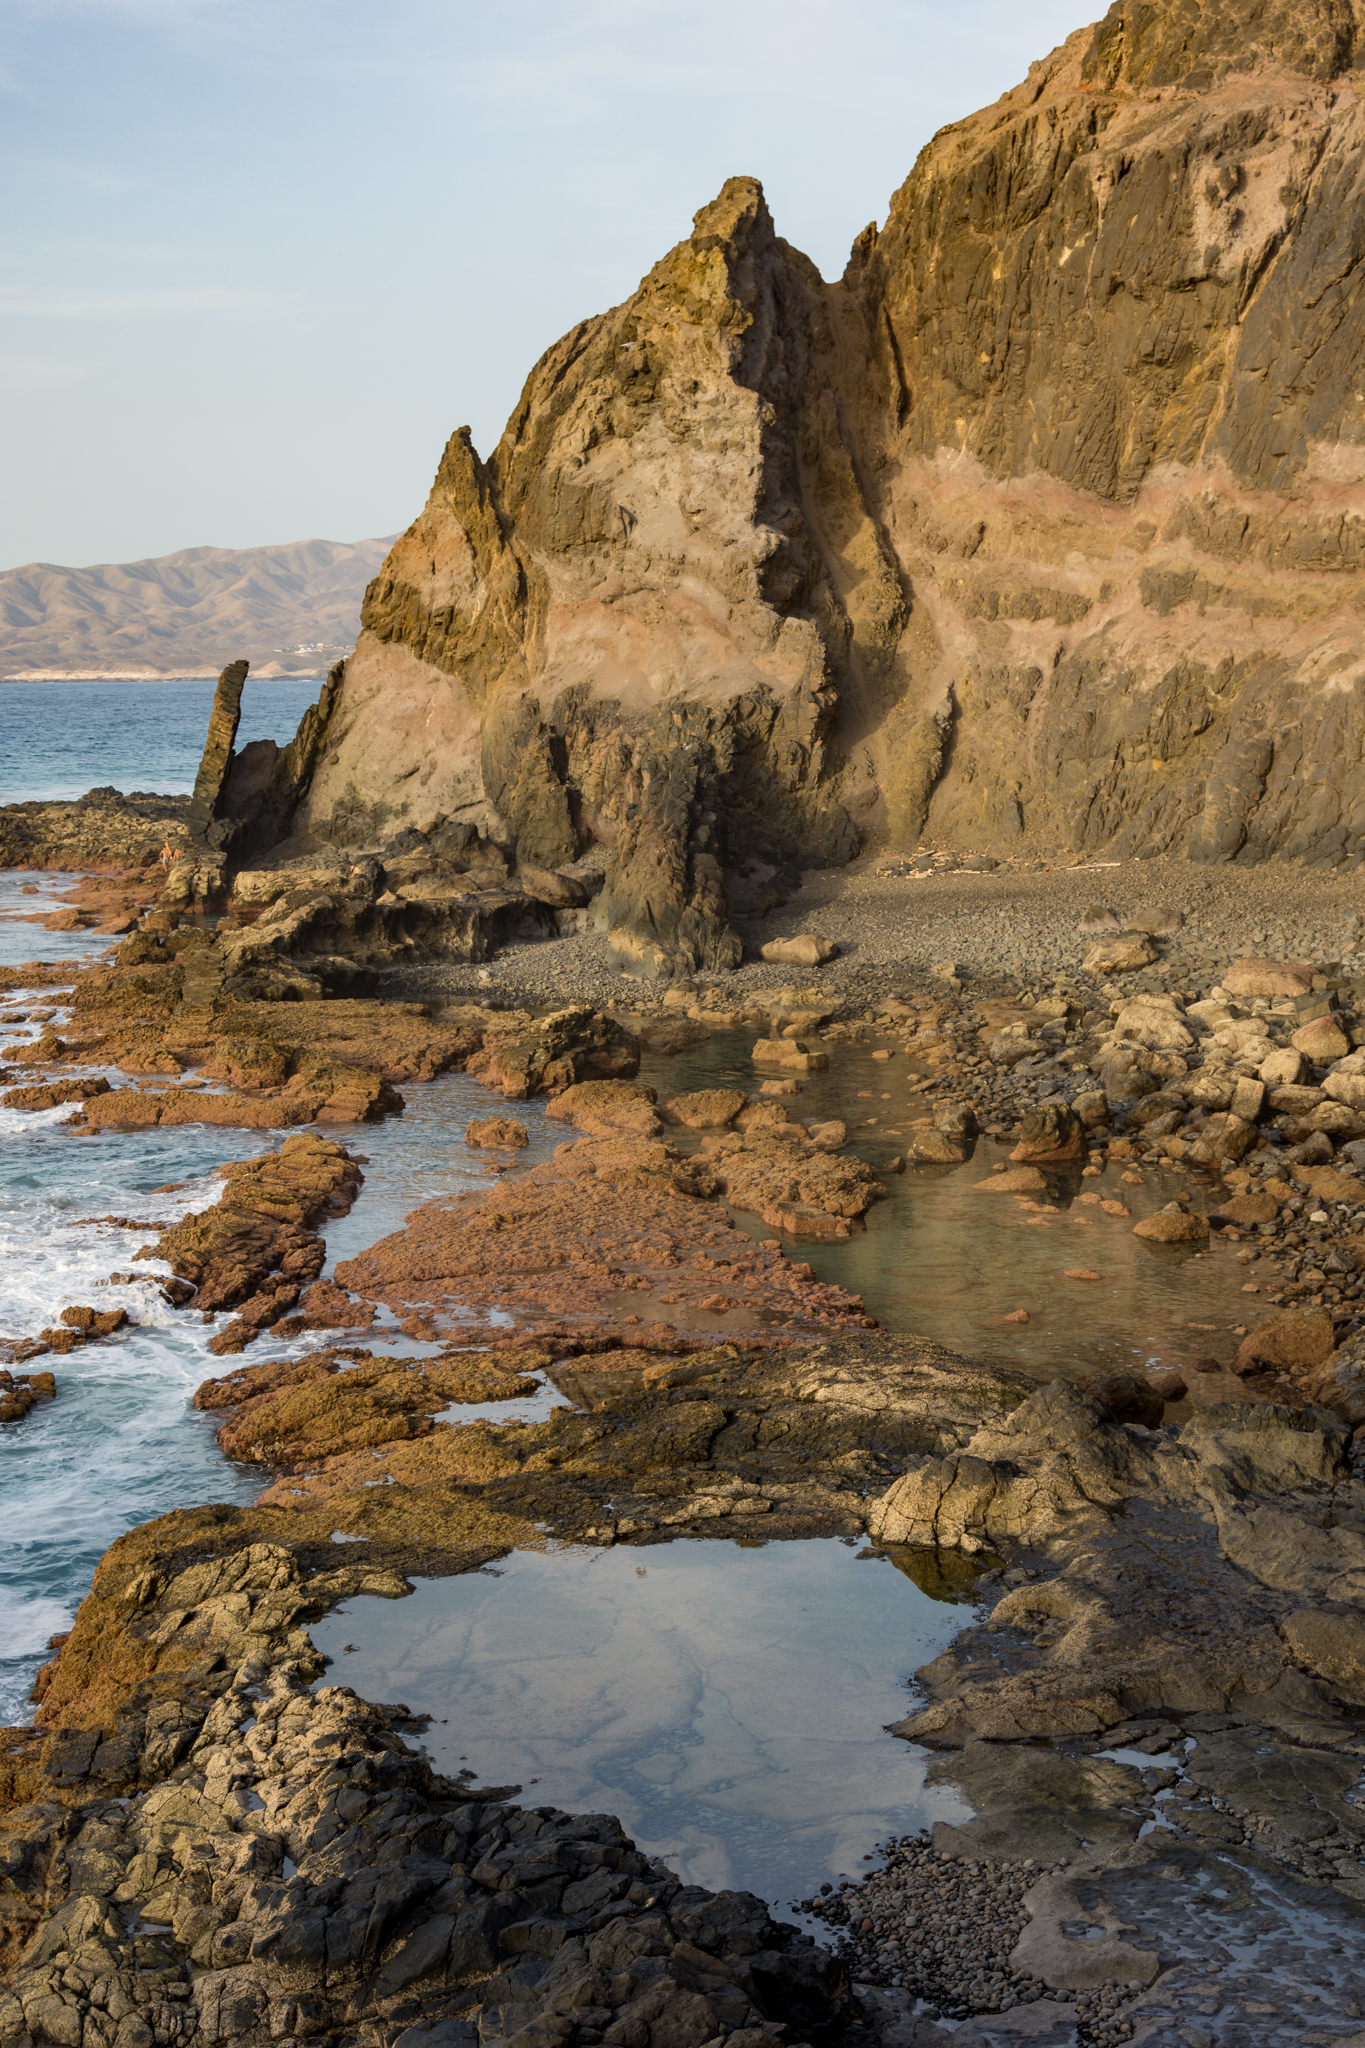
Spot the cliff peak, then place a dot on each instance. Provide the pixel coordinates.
(1046, 523)
(1196, 43)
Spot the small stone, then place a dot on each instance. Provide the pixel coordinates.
(1124, 954)
(808, 949)
(1018, 1315)
(1173, 1225)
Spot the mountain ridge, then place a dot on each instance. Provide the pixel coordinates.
(290, 608)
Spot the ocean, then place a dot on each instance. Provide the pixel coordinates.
(59, 739)
(122, 1441)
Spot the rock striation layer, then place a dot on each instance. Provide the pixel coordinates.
(1045, 519)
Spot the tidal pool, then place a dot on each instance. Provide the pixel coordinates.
(727, 1702)
(943, 1261)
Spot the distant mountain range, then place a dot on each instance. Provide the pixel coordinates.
(290, 611)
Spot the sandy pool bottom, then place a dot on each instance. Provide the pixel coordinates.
(727, 1702)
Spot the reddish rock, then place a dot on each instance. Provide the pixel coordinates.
(497, 1133)
(593, 1241)
(1296, 1342)
(1246, 1209)
(608, 1109)
(1173, 1225)
(793, 1053)
(706, 1109)
(51, 1094)
(19, 1392)
(261, 1228)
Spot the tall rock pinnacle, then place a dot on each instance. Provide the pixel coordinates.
(1048, 518)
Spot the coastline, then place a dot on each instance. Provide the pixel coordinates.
(135, 1794)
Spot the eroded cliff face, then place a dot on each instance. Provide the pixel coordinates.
(1048, 519)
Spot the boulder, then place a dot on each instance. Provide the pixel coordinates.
(789, 1052)
(1122, 955)
(935, 1148)
(1295, 1101)
(1162, 920)
(1253, 977)
(1330, 1185)
(1051, 1134)
(1246, 1210)
(559, 891)
(1018, 1180)
(1321, 1039)
(1347, 1088)
(1173, 1225)
(1296, 1341)
(706, 1109)
(1337, 1120)
(1222, 1136)
(608, 1109)
(568, 1046)
(1092, 1107)
(1282, 1068)
(1210, 1089)
(497, 1133)
(1154, 1022)
(1330, 1642)
(1152, 1108)
(1248, 1098)
(808, 949)
(1098, 917)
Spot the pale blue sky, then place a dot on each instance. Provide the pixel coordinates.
(259, 257)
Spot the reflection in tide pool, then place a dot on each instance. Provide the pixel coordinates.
(726, 1702)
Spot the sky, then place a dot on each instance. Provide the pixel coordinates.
(258, 258)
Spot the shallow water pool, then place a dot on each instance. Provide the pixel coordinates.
(941, 1260)
(727, 1702)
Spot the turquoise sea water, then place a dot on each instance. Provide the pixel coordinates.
(58, 740)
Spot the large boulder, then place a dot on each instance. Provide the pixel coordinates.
(1050, 1135)
(1173, 1225)
(1254, 977)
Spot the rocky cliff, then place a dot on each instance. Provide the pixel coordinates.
(1047, 519)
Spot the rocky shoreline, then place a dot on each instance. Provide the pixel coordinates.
(1188, 1592)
